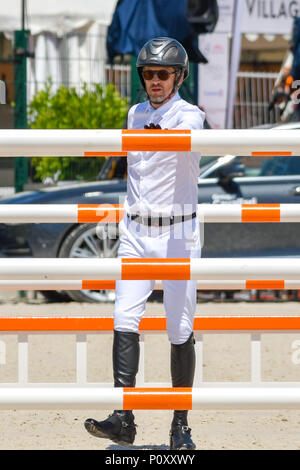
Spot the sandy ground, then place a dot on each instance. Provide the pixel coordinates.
(52, 358)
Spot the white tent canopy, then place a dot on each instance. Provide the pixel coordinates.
(69, 39)
(55, 16)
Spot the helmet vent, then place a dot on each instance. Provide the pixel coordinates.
(171, 53)
(157, 47)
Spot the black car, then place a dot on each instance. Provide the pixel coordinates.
(222, 180)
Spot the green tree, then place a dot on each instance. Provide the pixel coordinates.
(100, 107)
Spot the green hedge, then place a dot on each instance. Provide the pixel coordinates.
(100, 107)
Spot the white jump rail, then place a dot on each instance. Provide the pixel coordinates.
(109, 142)
(113, 213)
(205, 269)
(150, 399)
(81, 394)
(111, 285)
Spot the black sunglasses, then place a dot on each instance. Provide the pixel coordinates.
(162, 74)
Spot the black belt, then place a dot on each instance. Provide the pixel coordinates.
(161, 221)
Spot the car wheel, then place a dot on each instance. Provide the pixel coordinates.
(91, 241)
(55, 296)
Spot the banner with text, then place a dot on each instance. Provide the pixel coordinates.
(269, 16)
(213, 77)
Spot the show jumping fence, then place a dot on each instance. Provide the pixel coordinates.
(282, 273)
(255, 393)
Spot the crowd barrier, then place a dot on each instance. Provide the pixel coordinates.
(109, 142)
(253, 393)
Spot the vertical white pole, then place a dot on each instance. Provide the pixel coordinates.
(22, 358)
(235, 60)
(255, 357)
(81, 358)
(2, 352)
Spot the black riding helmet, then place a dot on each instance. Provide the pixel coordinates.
(166, 52)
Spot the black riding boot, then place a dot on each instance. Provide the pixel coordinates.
(183, 362)
(119, 426)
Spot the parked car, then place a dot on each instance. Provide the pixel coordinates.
(229, 179)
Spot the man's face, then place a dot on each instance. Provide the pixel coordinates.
(157, 89)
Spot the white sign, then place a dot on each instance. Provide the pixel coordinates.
(224, 24)
(213, 78)
(269, 16)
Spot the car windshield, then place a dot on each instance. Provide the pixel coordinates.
(256, 166)
(116, 167)
(206, 163)
(113, 168)
(280, 166)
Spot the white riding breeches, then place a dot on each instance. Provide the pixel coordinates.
(181, 240)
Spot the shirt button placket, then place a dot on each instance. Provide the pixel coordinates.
(142, 176)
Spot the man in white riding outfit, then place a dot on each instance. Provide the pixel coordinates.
(160, 221)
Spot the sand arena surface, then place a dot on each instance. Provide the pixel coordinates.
(226, 357)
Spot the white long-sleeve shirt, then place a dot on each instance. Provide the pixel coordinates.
(163, 183)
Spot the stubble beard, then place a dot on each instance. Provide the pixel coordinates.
(157, 100)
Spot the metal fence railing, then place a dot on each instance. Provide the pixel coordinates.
(254, 93)
(72, 60)
(120, 76)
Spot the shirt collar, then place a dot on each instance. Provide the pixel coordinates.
(165, 107)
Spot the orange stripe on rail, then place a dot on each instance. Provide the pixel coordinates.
(112, 213)
(155, 131)
(271, 154)
(98, 285)
(252, 284)
(246, 323)
(208, 323)
(156, 268)
(262, 205)
(105, 154)
(56, 323)
(179, 398)
(74, 323)
(260, 214)
(156, 140)
(153, 323)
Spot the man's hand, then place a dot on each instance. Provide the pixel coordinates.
(152, 126)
